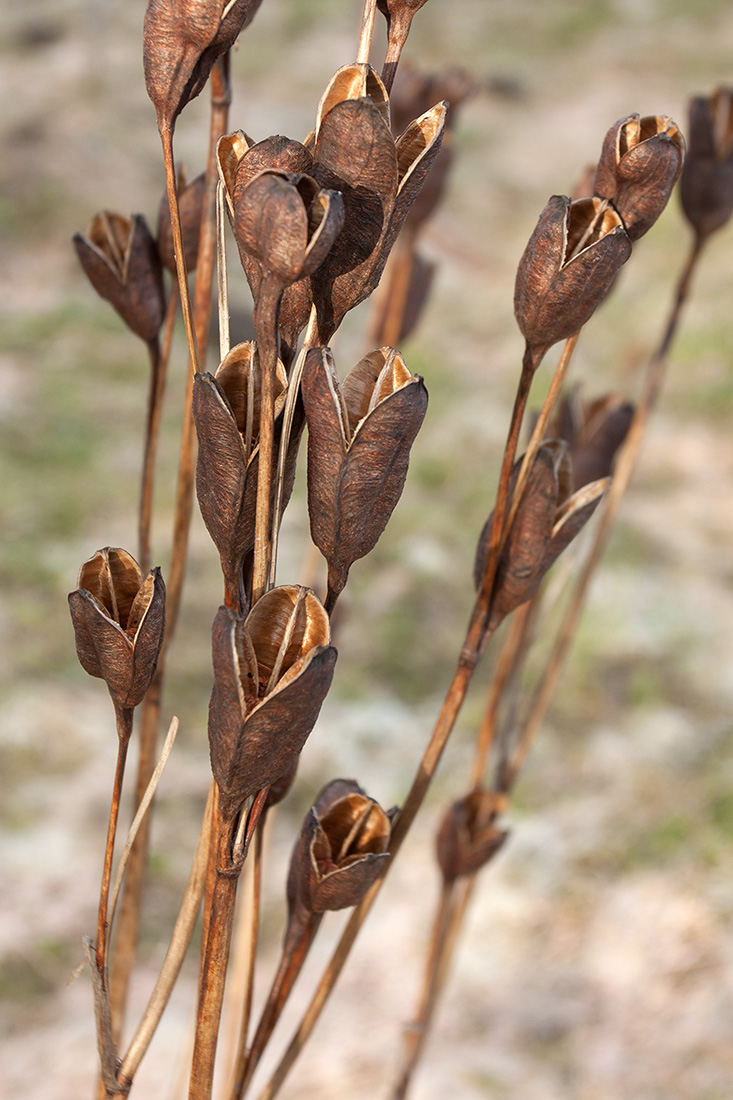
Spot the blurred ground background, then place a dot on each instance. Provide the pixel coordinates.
(597, 959)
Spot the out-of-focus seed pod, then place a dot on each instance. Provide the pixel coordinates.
(706, 187)
(359, 440)
(547, 520)
(182, 40)
(568, 267)
(121, 261)
(190, 204)
(272, 671)
(341, 850)
(119, 623)
(594, 431)
(640, 161)
(468, 836)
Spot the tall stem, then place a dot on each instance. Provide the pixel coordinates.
(265, 322)
(124, 716)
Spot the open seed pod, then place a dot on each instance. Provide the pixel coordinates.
(379, 179)
(190, 205)
(122, 263)
(706, 186)
(468, 836)
(182, 40)
(353, 82)
(359, 439)
(548, 518)
(226, 411)
(272, 671)
(639, 165)
(119, 623)
(341, 850)
(594, 431)
(568, 267)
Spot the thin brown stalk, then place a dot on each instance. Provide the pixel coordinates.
(394, 292)
(152, 429)
(265, 321)
(252, 932)
(124, 717)
(366, 31)
(166, 138)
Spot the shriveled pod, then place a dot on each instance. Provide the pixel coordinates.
(639, 165)
(359, 440)
(548, 518)
(121, 261)
(119, 623)
(272, 671)
(226, 411)
(568, 267)
(468, 836)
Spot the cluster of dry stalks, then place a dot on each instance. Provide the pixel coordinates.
(315, 223)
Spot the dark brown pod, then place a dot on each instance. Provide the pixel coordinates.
(341, 850)
(640, 161)
(594, 431)
(122, 263)
(547, 520)
(468, 836)
(182, 40)
(190, 204)
(272, 671)
(706, 186)
(359, 440)
(568, 267)
(119, 623)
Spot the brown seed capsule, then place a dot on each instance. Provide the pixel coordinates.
(468, 836)
(287, 223)
(190, 203)
(272, 671)
(706, 187)
(182, 40)
(341, 850)
(359, 440)
(568, 267)
(119, 622)
(122, 263)
(593, 431)
(547, 520)
(354, 82)
(639, 165)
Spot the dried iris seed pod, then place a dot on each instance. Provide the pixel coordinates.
(706, 186)
(547, 520)
(121, 261)
(640, 161)
(272, 671)
(568, 267)
(119, 623)
(341, 850)
(359, 440)
(594, 431)
(468, 836)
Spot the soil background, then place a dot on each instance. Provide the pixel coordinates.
(596, 963)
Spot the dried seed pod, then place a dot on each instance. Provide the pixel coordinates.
(341, 850)
(182, 40)
(359, 439)
(272, 671)
(468, 836)
(568, 267)
(226, 411)
(593, 431)
(122, 263)
(287, 223)
(190, 204)
(119, 622)
(640, 161)
(706, 187)
(354, 82)
(379, 179)
(547, 520)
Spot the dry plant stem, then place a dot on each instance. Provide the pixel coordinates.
(124, 716)
(180, 940)
(396, 290)
(105, 1043)
(417, 1031)
(240, 1062)
(127, 930)
(367, 29)
(155, 401)
(624, 468)
(229, 863)
(265, 322)
(398, 31)
(538, 433)
(299, 937)
(166, 138)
